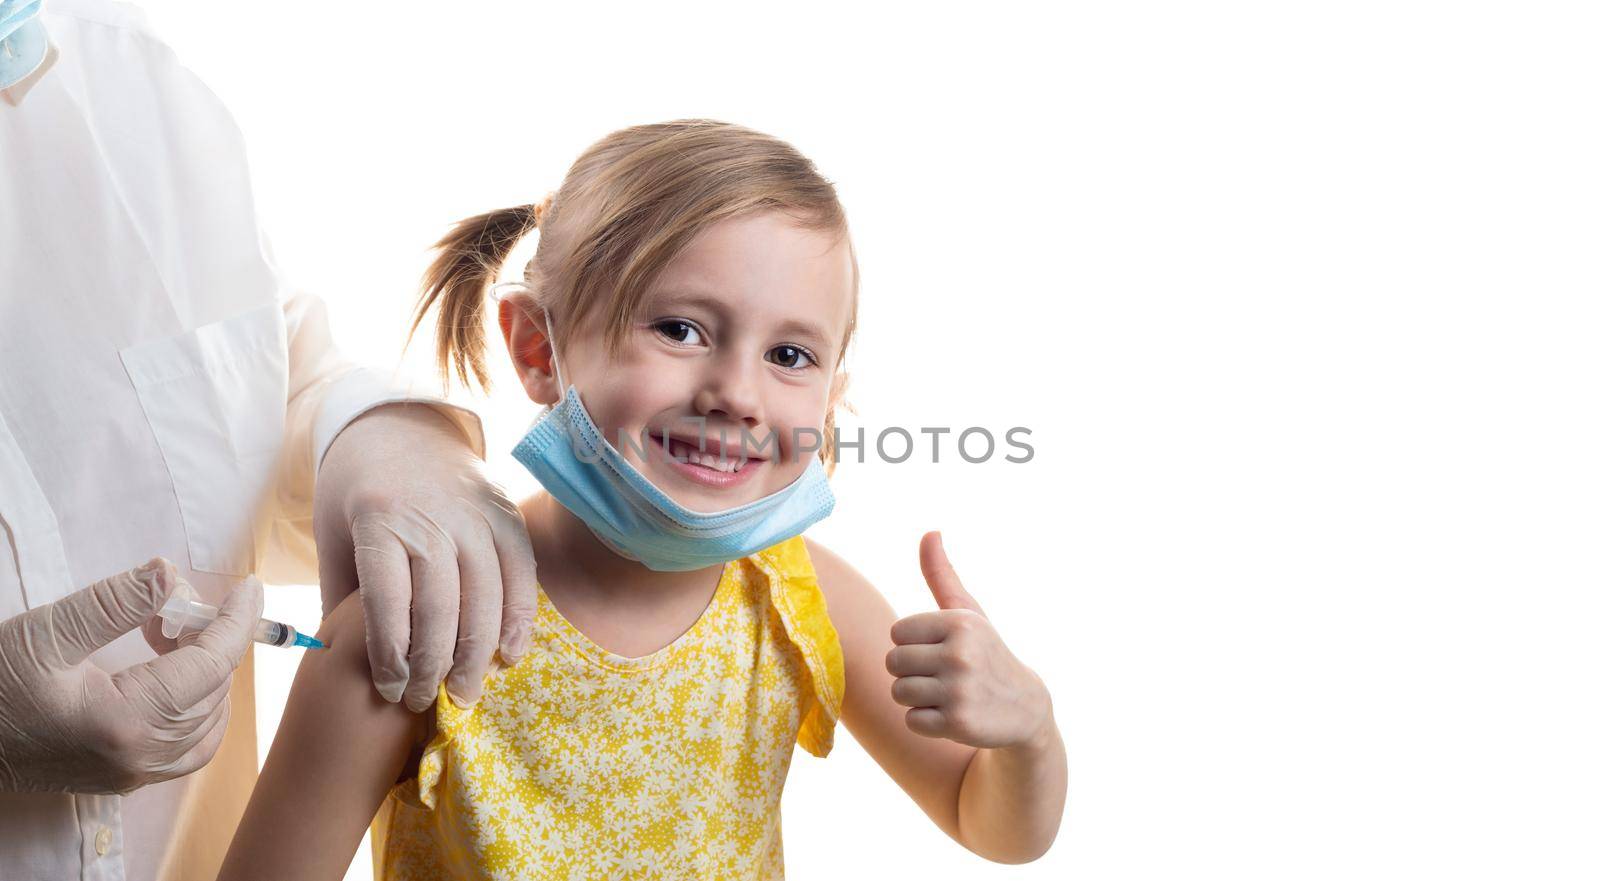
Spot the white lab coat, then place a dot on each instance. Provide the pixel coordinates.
(161, 392)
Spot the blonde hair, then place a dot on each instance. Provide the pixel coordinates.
(628, 206)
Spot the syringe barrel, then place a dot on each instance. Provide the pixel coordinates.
(184, 613)
(274, 633)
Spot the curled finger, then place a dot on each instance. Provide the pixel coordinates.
(927, 721)
(383, 569)
(519, 574)
(478, 633)
(435, 615)
(914, 660)
(919, 691)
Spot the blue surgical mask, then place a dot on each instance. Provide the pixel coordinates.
(633, 517)
(23, 42)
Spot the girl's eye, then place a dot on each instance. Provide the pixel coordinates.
(792, 357)
(681, 332)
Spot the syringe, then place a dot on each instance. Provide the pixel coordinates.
(184, 613)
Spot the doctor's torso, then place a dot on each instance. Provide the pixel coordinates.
(142, 385)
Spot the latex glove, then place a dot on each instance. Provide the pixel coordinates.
(68, 726)
(440, 554)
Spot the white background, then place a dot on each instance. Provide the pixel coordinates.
(1299, 302)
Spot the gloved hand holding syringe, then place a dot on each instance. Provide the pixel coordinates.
(185, 613)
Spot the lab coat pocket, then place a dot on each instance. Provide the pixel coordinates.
(215, 397)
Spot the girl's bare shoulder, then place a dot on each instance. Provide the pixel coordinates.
(848, 593)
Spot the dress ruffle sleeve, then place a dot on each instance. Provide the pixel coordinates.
(450, 720)
(800, 604)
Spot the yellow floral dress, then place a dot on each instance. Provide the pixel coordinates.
(578, 763)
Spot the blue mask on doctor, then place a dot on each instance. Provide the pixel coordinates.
(23, 42)
(570, 456)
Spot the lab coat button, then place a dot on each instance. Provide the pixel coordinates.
(102, 840)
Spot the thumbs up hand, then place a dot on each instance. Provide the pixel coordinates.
(956, 675)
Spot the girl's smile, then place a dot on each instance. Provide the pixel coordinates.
(715, 467)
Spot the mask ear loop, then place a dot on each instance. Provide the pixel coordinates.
(495, 289)
(550, 335)
(496, 295)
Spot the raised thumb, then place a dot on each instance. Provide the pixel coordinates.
(84, 621)
(942, 580)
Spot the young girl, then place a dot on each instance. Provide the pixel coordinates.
(685, 316)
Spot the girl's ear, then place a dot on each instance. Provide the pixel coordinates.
(522, 323)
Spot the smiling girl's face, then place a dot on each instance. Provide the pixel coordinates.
(739, 338)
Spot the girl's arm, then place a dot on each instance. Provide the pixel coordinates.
(337, 753)
(978, 749)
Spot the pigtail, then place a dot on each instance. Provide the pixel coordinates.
(468, 261)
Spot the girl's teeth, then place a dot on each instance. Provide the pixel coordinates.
(709, 461)
(683, 450)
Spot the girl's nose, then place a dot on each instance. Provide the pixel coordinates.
(729, 389)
